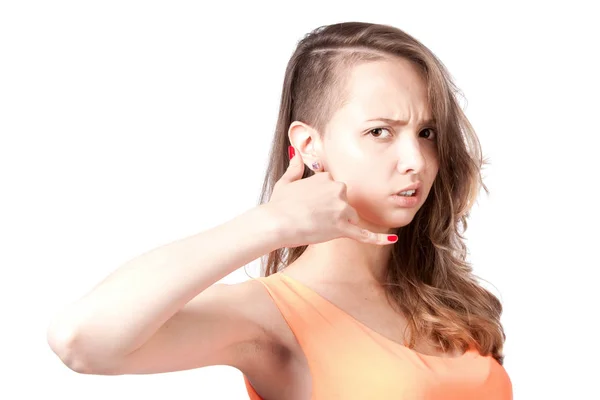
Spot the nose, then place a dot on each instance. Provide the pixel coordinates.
(411, 158)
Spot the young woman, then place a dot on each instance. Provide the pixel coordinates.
(366, 293)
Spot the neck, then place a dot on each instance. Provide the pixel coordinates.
(345, 261)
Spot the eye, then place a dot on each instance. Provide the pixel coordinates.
(377, 129)
(378, 136)
(432, 132)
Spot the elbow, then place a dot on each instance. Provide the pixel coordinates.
(77, 362)
(66, 343)
(62, 342)
(68, 357)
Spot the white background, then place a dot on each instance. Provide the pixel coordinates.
(125, 125)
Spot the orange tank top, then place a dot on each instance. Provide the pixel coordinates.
(348, 360)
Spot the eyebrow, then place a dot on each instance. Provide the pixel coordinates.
(430, 121)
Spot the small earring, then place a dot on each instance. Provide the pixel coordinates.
(316, 165)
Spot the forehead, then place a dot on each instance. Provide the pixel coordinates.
(391, 88)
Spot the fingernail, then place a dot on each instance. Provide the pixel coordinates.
(291, 152)
(392, 238)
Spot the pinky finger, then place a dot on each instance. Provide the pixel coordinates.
(382, 238)
(366, 236)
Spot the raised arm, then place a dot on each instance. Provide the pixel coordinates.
(161, 312)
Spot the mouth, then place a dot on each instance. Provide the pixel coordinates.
(410, 191)
(409, 200)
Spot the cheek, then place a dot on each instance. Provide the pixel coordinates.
(359, 184)
(343, 161)
(355, 172)
(364, 187)
(361, 172)
(432, 168)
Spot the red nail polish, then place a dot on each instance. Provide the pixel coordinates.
(291, 152)
(392, 238)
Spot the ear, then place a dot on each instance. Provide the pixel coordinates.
(307, 141)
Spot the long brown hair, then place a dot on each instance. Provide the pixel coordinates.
(428, 276)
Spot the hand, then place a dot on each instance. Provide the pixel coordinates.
(316, 209)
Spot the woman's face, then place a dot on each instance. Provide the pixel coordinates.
(377, 157)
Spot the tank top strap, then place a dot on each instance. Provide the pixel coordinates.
(298, 306)
(306, 313)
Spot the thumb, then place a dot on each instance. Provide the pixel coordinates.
(296, 167)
